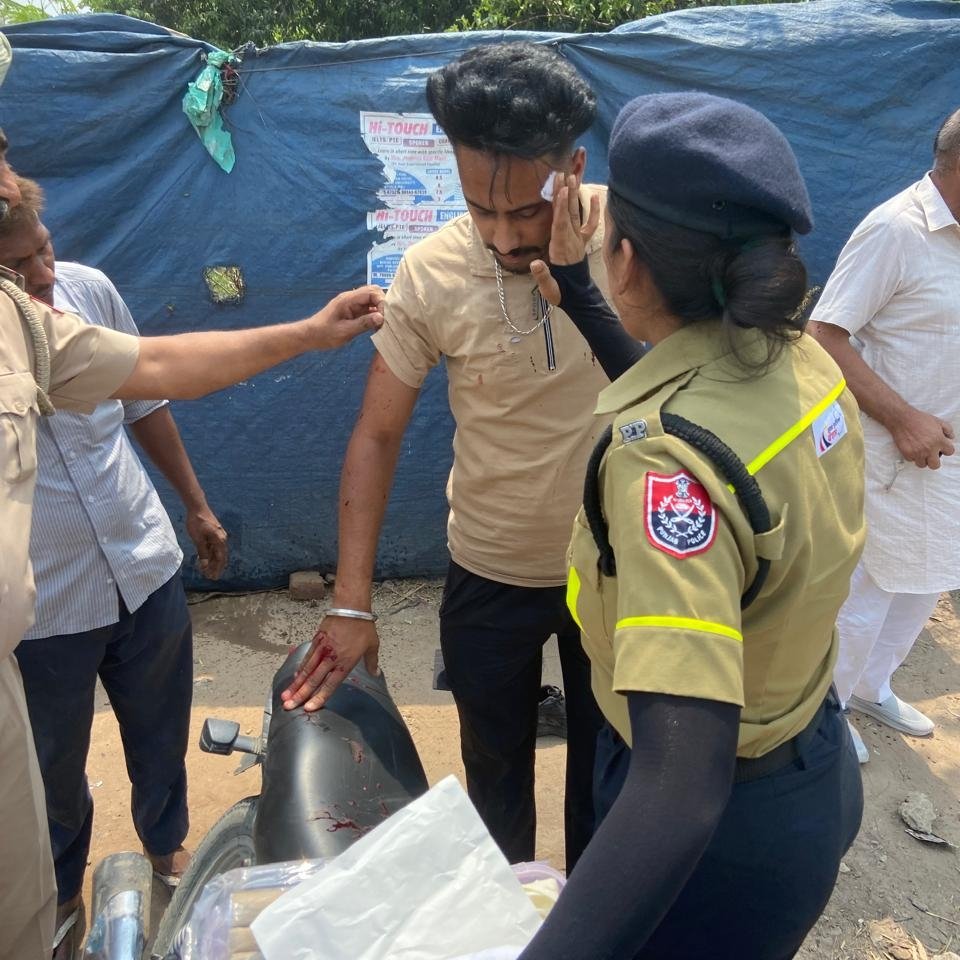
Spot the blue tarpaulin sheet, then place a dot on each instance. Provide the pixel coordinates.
(92, 106)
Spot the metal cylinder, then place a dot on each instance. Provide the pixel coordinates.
(122, 887)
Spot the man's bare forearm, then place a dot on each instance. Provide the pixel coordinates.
(875, 397)
(921, 437)
(157, 433)
(191, 365)
(365, 482)
(364, 491)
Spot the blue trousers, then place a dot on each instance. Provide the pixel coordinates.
(145, 662)
(772, 863)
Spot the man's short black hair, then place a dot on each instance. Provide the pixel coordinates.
(516, 99)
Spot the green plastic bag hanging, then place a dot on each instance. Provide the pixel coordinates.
(201, 104)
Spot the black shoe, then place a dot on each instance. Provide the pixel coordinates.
(551, 713)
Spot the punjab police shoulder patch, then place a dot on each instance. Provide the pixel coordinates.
(679, 515)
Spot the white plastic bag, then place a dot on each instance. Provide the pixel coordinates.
(497, 953)
(429, 883)
(230, 902)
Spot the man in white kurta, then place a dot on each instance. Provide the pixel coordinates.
(896, 291)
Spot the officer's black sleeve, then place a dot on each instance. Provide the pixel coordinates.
(679, 781)
(583, 302)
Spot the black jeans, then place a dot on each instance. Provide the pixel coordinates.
(492, 635)
(145, 662)
(772, 863)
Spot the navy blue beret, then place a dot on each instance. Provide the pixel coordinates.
(707, 163)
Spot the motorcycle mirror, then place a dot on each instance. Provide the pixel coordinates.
(219, 736)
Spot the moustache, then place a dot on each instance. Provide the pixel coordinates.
(517, 252)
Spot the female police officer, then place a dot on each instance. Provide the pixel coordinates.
(719, 530)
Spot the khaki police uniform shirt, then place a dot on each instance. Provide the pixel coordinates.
(670, 621)
(523, 405)
(88, 364)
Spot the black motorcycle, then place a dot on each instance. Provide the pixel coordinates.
(328, 778)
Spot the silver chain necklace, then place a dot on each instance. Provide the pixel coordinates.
(541, 306)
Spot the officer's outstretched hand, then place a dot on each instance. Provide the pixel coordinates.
(338, 646)
(569, 235)
(344, 317)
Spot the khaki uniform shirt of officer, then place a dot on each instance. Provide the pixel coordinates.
(670, 621)
(80, 365)
(87, 364)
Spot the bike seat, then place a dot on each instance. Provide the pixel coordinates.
(331, 776)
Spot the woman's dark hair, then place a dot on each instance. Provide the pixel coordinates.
(758, 283)
(514, 99)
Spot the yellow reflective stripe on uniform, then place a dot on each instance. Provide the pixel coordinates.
(682, 623)
(762, 459)
(573, 594)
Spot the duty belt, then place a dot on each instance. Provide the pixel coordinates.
(754, 768)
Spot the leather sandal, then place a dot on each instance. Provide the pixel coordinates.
(68, 939)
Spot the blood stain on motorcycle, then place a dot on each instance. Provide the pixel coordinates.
(347, 825)
(341, 823)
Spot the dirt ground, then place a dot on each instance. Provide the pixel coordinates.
(241, 640)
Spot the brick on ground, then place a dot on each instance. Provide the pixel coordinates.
(307, 585)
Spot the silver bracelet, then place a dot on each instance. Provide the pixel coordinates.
(352, 614)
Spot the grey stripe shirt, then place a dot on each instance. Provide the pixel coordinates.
(99, 529)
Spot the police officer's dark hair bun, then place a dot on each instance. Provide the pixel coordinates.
(514, 99)
(756, 282)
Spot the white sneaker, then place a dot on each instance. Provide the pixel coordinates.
(863, 754)
(895, 713)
